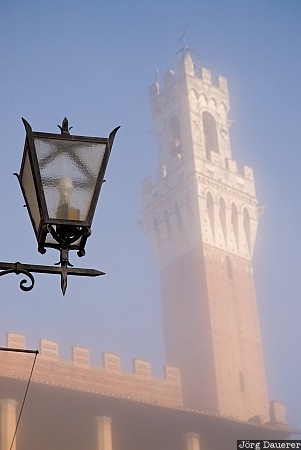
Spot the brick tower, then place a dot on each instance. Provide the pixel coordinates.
(201, 218)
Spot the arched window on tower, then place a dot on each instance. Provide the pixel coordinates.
(222, 217)
(234, 221)
(210, 134)
(176, 139)
(167, 225)
(210, 209)
(189, 214)
(247, 228)
(179, 220)
(158, 238)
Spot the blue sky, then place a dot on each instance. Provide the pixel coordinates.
(93, 61)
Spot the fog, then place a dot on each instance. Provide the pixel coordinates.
(94, 62)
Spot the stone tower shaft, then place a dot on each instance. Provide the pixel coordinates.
(201, 218)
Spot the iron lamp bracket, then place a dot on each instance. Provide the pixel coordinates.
(64, 270)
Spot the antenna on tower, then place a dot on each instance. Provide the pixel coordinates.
(186, 48)
(182, 37)
(183, 34)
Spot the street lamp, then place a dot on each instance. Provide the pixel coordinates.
(60, 177)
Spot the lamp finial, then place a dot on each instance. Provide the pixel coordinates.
(64, 127)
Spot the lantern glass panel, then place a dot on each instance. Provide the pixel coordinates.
(69, 172)
(28, 186)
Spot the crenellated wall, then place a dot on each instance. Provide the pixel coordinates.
(79, 374)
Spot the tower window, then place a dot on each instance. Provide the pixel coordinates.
(158, 238)
(176, 139)
(210, 209)
(247, 227)
(241, 381)
(167, 224)
(210, 134)
(179, 219)
(229, 268)
(189, 210)
(234, 221)
(222, 217)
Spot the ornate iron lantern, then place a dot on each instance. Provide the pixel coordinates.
(61, 177)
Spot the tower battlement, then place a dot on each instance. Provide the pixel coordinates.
(197, 178)
(78, 373)
(187, 67)
(191, 118)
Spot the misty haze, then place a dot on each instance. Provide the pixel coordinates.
(200, 292)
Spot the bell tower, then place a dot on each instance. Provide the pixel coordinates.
(201, 217)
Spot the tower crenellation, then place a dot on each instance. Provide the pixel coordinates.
(192, 131)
